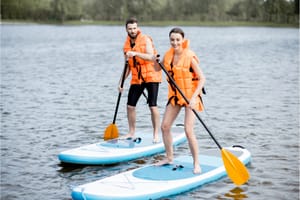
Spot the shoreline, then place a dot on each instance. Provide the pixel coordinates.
(157, 23)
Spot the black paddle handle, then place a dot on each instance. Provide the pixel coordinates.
(120, 93)
(184, 97)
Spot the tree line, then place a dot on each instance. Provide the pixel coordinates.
(274, 11)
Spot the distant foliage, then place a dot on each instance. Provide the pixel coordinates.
(276, 11)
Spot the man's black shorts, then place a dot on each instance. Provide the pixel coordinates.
(136, 90)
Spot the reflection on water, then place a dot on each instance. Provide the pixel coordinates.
(67, 167)
(235, 194)
(59, 89)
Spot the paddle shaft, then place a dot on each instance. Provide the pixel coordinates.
(181, 93)
(120, 93)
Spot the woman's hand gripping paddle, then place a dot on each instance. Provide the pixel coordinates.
(111, 131)
(236, 170)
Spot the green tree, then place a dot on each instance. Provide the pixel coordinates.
(66, 9)
(107, 10)
(296, 7)
(253, 10)
(278, 11)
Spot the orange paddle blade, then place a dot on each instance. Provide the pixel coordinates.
(111, 132)
(236, 170)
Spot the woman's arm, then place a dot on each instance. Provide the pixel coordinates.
(199, 74)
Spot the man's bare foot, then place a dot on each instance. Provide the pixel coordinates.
(164, 162)
(197, 169)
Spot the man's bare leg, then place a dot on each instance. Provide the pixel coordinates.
(155, 123)
(131, 117)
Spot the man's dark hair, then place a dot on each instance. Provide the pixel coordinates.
(131, 20)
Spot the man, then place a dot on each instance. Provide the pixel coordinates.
(141, 54)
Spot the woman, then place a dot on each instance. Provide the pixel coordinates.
(183, 65)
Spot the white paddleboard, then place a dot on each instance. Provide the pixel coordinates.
(118, 150)
(154, 182)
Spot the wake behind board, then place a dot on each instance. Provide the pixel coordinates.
(118, 150)
(154, 182)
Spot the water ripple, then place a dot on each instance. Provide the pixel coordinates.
(59, 90)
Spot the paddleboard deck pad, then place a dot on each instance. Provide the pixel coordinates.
(154, 182)
(118, 150)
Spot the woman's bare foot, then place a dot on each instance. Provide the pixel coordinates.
(155, 140)
(197, 169)
(164, 162)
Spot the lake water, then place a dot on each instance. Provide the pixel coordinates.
(59, 89)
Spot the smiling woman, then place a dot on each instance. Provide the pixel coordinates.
(185, 87)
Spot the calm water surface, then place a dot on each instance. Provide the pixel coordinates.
(59, 89)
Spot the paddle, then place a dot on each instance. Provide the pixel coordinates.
(111, 131)
(236, 170)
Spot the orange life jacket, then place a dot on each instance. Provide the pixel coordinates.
(142, 70)
(183, 75)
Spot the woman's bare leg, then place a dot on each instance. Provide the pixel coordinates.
(189, 122)
(169, 117)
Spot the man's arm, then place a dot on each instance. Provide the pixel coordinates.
(149, 55)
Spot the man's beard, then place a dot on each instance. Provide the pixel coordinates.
(132, 37)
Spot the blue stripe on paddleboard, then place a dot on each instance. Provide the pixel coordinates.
(145, 140)
(170, 172)
(124, 143)
(203, 159)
